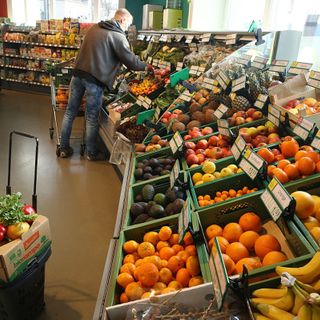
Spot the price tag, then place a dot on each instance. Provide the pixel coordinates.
(140, 100)
(185, 96)
(215, 282)
(155, 62)
(179, 66)
(176, 142)
(184, 219)
(163, 38)
(274, 115)
(259, 63)
(223, 80)
(314, 79)
(174, 174)
(261, 100)
(155, 38)
(148, 37)
(173, 146)
(238, 147)
(223, 127)
(220, 112)
(157, 113)
(194, 70)
(239, 83)
(244, 59)
(149, 60)
(299, 67)
(169, 38)
(303, 128)
(276, 198)
(189, 38)
(248, 168)
(279, 66)
(316, 141)
(205, 37)
(140, 36)
(178, 37)
(146, 103)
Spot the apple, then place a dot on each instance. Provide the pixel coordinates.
(240, 120)
(250, 112)
(206, 131)
(222, 143)
(167, 115)
(257, 115)
(293, 103)
(261, 144)
(243, 130)
(200, 151)
(174, 116)
(226, 152)
(253, 132)
(164, 120)
(272, 130)
(187, 137)
(213, 141)
(190, 145)
(192, 159)
(259, 139)
(274, 140)
(226, 172)
(273, 135)
(232, 122)
(188, 152)
(275, 151)
(218, 153)
(177, 111)
(269, 124)
(196, 134)
(249, 119)
(246, 136)
(262, 130)
(201, 158)
(202, 144)
(241, 114)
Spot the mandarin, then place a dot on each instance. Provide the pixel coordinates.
(195, 281)
(177, 248)
(265, 244)
(232, 231)
(151, 237)
(174, 239)
(213, 230)
(165, 233)
(162, 244)
(134, 291)
(292, 171)
(130, 246)
(229, 263)
(184, 255)
(124, 279)
(165, 275)
(191, 249)
(183, 277)
(193, 266)
(223, 243)
(250, 262)
(250, 221)
(147, 274)
(248, 239)
(273, 257)
(306, 166)
(236, 251)
(175, 285)
(128, 267)
(175, 263)
(124, 298)
(166, 253)
(146, 249)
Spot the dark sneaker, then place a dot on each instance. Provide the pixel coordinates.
(64, 152)
(96, 156)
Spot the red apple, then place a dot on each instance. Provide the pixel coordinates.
(213, 141)
(202, 144)
(243, 130)
(207, 130)
(192, 159)
(226, 152)
(222, 143)
(241, 114)
(274, 140)
(174, 116)
(200, 151)
(275, 151)
(261, 144)
(249, 119)
(240, 120)
(246, 137)
(250, 112)
(232, 121)
(201, 157)
(188, 152)
(218, 153)
(187, 137)
(262, 130)
(196, 134)
(190, 145)
(167, 115)
(257, 115)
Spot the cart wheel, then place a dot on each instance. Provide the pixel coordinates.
(58, 151)
(51, 131)
(82, 149)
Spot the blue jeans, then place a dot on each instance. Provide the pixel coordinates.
(94, 94)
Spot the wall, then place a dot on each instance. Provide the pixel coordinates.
(3, 8)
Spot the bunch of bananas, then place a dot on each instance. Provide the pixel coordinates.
(298, 299)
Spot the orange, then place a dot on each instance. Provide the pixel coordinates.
(313, 155)
(292, 172)
(164, 263)
(265, 244)
(311, 222)
(307, 148)
(213, 230)
(280, 175)
(191, 249)
(251, 263)
(232, 231)
(223, 242)
(174, 239)
(128, 268)
(134, 291)
(177, 248)
(139, 262)
(165, 233)
(124, 279)
(273, 257)
(229, 263)
(146, 249)
(168, 290)
(124, 298)
(304, 204)
(318, 167)
(130, 258)
(166, 253)
(153, 259)
(270, 170)
(162, 244)
(283, 163)
(250, 221)
(193, 266)
(158, 287)
(147, 274)
(184, 255)
(175, 285)
(266, 154)
(151, 237)
(249, 238)
(289, 148)
(195, 281)
(315, 232)
(187, 240)
(300, 154)
(165, 275)
(130, 246)
(306, 166)
(317, 214)
(236, 251)
(175, 263)
(183, 277)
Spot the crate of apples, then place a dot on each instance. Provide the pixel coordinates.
(242, 117)
(156, 143)
(158, 265)
(309, 105)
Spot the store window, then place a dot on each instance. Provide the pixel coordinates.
(79, 9)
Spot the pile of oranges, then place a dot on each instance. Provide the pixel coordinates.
(242, 244)
(158, 265)
(206, 200)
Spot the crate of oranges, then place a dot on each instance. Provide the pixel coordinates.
(151, 262)
(248, 236)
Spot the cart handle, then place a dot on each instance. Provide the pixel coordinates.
(8, 188)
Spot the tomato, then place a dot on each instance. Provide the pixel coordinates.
(2, 235)
(27, 209)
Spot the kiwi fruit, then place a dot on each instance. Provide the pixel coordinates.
(198, 115)
(178, 126)
(193, 123)
(184, 118)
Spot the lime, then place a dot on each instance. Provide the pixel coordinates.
(159, 198)
(197, 177)
(208, 167)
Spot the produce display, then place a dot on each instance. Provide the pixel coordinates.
(158, 265)
(172, 55)
(309, 105)
(155, 143)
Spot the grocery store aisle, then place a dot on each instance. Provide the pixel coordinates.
(79, 197)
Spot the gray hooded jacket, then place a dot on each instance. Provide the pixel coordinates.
(104, 49)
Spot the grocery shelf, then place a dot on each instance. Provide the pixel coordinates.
(42, 44)
(23, 68)
(26, 82)
(31, 58)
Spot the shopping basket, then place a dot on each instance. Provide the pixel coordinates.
(23, 298)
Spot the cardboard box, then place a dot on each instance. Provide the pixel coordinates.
(294, 88)
(15, 255)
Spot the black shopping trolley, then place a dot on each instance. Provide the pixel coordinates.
(60, 77)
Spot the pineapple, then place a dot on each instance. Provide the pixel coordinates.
(240, 103)
(221, 98)
(255, 85)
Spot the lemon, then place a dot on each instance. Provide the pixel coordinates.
(197, 177)
(217, 175)
(207, 177)
(199, 182)
(208, 167)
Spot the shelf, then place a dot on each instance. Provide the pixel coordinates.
(19, 30)
(26, 82)
(42, 44)
(31, 58)
(24, 68)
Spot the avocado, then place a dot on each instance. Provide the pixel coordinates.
(141, 218)
(136, 209)
(157, 170)
(147, 169)
(138, 173)
(149, 205)
(144, 205)
(157, 211)
(153, 162)
(164, 172)
(160, 198)
(139, 165)
(171, 195)
(178, 205)
(180, 195)
(150, 219)
(147, 176)
(169, 209)
(148, 192)
(138, 198)
(168, 167)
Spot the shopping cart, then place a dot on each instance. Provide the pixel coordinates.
(60, 76)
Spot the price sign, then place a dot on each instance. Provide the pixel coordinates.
(157, 113)
(178, 37)
(261, 100)
(276, 199)
(163, 38)
(274, 115)
(250, 170)
(314, 79)
(251, 164)
(189, 38)
(155, 38)
(155, 62)
(223, 127)
(238, 147)
(303, 128)
(185, 96)
(244, 59)
(174, 174)
(184, 219)
(148, 37)
(279, 66)
(223, 80)
(299, 67)
(196, 70)
(140, 100)
(146, 103)
(140, 36)
(179, 66)
(205, 37)
(209, 84)
(316, 141)
(176, 142)
(239, 83)
(173, 146)
(220, 112)
(259, 63)
(149, 60)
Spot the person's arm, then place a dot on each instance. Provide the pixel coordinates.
(126, 56)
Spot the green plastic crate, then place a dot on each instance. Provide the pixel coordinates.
(224, 213)
(136, 233)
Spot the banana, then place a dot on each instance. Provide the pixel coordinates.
(259, 316)
(270, 293)
(316, 285)
(298, 301)
(307, 287)
(306, 274)
(285, 303)
(315, 313)
(305, 313)
(273, 312)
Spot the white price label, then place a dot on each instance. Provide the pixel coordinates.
(254, 159)
(141, 37)
(140, 100)
(163, 37)
(179, 66)
(281, 195)
(272, 206)
(301, 132)
(174, 174)
(215, 283)
(238, 147)
(149, 60)
(239, 84)
(194, 70)
(173, 146)
(184, 220)
(314, 79)
(248, 168)
(299, 67)
(224, 131)
(223, 80)
(261, 100)
(178, 139)
(157, 113)
(185, 96)
(219, 264)
(279, 65)
(220, 112)
(273, 119)
(316, 141)
(242, 61)
(235, 152)
(189, 38)
(258, 65)
(178, 37)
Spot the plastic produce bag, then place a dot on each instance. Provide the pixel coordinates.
(121, 149)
